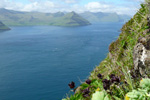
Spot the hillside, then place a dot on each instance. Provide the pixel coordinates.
(124, 73)
(16, 18)
(104, 17)
(71, 19)
(3, 27)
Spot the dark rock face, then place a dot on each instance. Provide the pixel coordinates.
(141, 56)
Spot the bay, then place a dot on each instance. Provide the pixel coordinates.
(38, 62)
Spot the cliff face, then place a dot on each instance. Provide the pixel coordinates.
(127, 62)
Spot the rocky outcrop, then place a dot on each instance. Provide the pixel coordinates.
(141, 56)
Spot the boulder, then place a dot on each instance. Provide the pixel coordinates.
(141, 57)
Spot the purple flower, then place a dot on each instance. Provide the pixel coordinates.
(86, 92)
(112, 75)
(115, 79)
(88, 81)
(106, 84)
(71, 85)
(100, 76)
(106, 81)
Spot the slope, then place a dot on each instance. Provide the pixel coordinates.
(125, 65)
(3, 27)
(71, 19)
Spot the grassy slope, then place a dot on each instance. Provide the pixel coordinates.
(120, 59)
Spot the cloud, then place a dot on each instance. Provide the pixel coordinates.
(107, 7)
(10, 5)
(69, 5)
(70, 1)
(135, 0)
(39, 6)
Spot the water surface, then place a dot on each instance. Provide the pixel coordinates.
(38, 62)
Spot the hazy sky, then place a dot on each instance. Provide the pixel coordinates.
(119, 6)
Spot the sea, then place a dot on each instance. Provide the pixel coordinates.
(38, 62)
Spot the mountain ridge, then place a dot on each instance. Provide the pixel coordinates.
(19, 18)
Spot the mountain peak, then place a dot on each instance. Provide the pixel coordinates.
(73, 12)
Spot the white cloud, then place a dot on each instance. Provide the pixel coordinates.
(96, 6)
(39, 6)
(53, 6)
(10, 5)
(104, 7)
(70, 1)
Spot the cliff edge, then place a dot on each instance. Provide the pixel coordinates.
(127, 62)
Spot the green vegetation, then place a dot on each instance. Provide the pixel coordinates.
(115, 76)
(3, 27)
(16, 18)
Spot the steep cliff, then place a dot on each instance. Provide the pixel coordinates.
(127, 62)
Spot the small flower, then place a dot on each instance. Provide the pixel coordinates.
(88, 81)
(106, 84)
(115, 79)
(71, 85)
(129, 71)
(106, 81)
(112, 75)
(98, 89)
(100, 76)
(86, 92)
(126, 97)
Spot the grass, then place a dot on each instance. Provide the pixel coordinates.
(119, 61)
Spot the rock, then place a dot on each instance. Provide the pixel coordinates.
(142, 40)
(145, 41)
(141, 57)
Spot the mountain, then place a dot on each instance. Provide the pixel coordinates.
(71, 19)
(3, 27)
(17, 18)
(104, 17)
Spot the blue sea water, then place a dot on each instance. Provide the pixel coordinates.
(38, 62)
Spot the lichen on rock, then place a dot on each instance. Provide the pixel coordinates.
(141, 56)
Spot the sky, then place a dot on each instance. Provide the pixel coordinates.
(128, 7)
